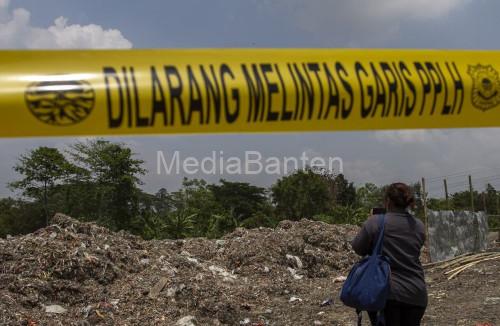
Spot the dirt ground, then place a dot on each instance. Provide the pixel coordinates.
(73, 273)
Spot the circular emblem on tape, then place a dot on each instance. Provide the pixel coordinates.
(485, 87)
(60, 102)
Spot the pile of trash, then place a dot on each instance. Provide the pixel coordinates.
(74, 273)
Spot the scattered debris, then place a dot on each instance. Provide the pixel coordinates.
(55, 309)
(101, 277)
(158, 287)
(294, 273)
(296, 260)
(339, 279)
(228, 277)
(186, 321)
(295, 299)
(326, 302)
(492, 301)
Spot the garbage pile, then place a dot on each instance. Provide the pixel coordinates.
(74, 273)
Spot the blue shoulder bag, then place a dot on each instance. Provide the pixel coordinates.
(367, 285)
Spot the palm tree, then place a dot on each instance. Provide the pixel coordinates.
(179, 225)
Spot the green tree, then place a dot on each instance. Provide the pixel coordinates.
(195, 198)
(162, 202)
(42, 169)
(113, 174)
(344, 215)
(437, 204)
(241, 199)
(302, 194)
(179, 225)
(492, 199)
(20, 217)
(221, 224)
(369, 196)
(462, 200)
(344, 192)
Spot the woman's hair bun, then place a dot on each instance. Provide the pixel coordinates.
(400, 194)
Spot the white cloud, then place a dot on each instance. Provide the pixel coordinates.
(17, 32)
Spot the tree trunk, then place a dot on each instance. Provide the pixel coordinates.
(45, 203)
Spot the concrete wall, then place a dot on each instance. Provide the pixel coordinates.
(456, 233)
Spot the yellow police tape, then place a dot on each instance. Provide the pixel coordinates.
(54, 93)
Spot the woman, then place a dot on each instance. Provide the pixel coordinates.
(404, 237)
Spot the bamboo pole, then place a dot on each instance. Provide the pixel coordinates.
(463, 268)
(467, 260)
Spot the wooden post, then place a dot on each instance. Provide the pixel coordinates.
(498, 204)
(426, 221)
(484, 203)
(446, 194)
(424, 201)
(471, 190)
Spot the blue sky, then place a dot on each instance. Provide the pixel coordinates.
(284, 23)
(379, 157)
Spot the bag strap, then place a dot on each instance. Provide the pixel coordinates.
(377, 250)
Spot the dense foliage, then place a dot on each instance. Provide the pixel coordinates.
(98, 180)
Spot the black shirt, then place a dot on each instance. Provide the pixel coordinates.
(404, 237)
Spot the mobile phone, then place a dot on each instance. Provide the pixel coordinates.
(378, 210)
